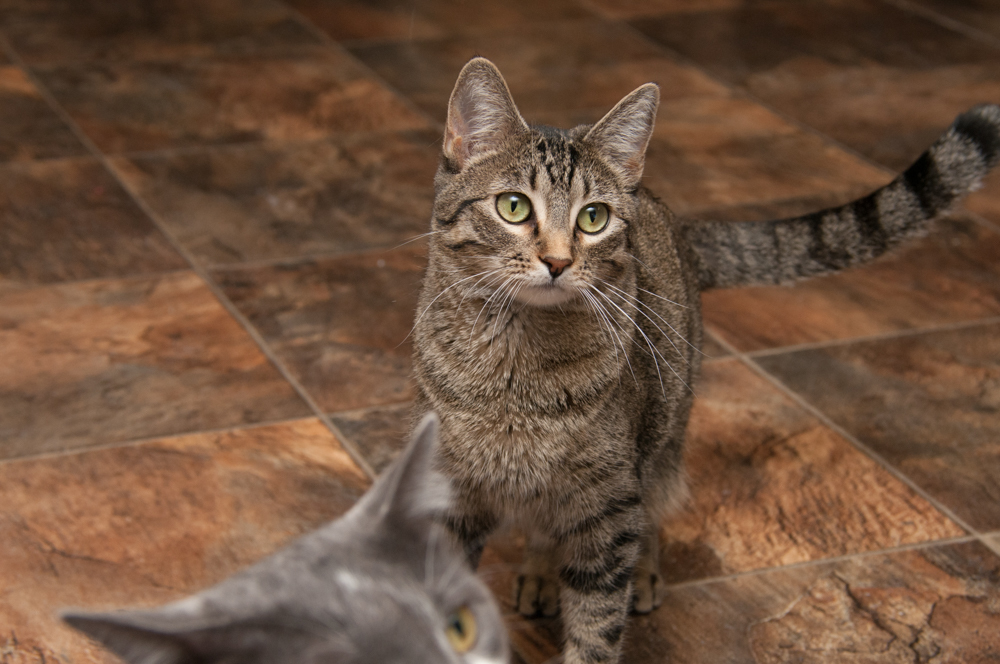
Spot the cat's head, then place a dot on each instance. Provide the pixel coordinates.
(539, 213)
(384, 584)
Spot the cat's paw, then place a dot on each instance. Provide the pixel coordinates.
(537, 594)
(647, 590)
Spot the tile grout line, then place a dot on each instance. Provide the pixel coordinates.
(944, 21)
(819, 562)
(146, 440)
(846, 435)
(884, 336)
(349, 446)
(333, 44)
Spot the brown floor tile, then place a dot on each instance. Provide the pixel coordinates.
(772, 486)
(979, 14)
(986, 201)
(884, 81)
(145, 524)
(135, 106)
(626, 9)
(548, 67)
(88, 30)
(254, 202)
(950, 276)
(933, 605)
(717, 151)
(399, 19)
(63, 220)
(927, 403)
(339, 324)
(29, 129)
(100, 362)
(380, 433)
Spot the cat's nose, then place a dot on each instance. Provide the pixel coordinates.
(556, 265)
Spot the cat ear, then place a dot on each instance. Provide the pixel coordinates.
(623, 134)
(481, 113)
(410, 488)
(130, 637)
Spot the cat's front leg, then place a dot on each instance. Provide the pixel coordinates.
(599, 557)
(471, 529)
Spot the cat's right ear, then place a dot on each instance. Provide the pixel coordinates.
(481, 113)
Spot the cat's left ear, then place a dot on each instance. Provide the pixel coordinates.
(481, 113)
(622, 135)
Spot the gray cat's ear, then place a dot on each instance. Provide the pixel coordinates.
(410, 488)
(481, 113)
(622, 135)
(126, 635)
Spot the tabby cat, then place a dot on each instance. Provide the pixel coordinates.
(558, 330)
(384, 584)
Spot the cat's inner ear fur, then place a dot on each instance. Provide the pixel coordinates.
(481, 113)
(622, 136)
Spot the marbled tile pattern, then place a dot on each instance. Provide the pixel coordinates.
(89, 30)
(107, 361)
(146, 524)
(69, 219)
(136, 106)
(29, 129)
(257, 202)
(205, 210)
(929, 404)
(341, 325)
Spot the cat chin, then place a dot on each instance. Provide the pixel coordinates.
(545, 296)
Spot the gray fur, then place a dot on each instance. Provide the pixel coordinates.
(374, 587)
(564, 394)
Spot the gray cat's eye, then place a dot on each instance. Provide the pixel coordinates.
(593, 218)
(513, 207)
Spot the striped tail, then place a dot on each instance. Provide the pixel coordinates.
(780, 251)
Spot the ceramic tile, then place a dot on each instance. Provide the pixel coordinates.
(256, 202)
(771, 486)
(397, 19)
(936, 604)
(29, 129)
(926, 403)
(341, 325)
(548, 67)
(716, 151)
(986, 201)
(105, 361)
(882, 80)
(90, 30)
(135, 106)
(145, 524)
(979, 14)
(380, 433)
(63, 220)
(950, 276)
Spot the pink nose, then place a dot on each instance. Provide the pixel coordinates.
(556, 265)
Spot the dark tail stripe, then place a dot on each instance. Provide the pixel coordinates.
(768, 252)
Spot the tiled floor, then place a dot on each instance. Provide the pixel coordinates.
(205, 297)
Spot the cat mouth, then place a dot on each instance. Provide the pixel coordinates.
(545, 295)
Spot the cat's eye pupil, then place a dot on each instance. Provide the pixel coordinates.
(593, 218)
(513, 207)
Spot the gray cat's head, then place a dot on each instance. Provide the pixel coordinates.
(382, 585)
(538, 213)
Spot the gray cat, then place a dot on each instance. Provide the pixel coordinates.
(384, 584)
(558, 331)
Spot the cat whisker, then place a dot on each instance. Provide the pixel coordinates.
(640, 303)
(611, 319)
(683, 306)
(436, 299)
(605, 327)
(415, 238)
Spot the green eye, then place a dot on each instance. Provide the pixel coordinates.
(515, 208)
(461, 630)
(593, 218)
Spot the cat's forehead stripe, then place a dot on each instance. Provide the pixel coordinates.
(559, 157)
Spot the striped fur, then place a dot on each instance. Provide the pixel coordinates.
(564, 392)
(780, 251)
